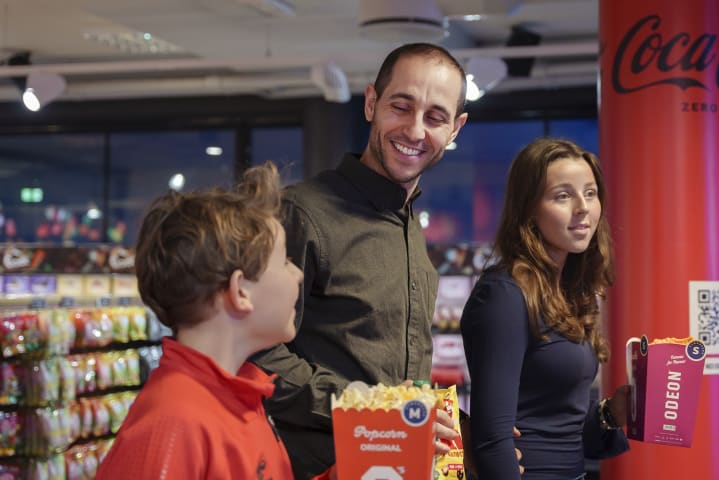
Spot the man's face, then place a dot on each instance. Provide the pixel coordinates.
(414, 120)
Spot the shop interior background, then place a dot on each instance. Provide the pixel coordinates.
(187, 94)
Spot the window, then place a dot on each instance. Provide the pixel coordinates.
(51, 188)
(463, 194)
(284, 147)
(582, 131)
(145, 165)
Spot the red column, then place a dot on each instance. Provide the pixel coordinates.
(659, 130)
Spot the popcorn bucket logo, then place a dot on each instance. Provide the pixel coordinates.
(415, 413)
(696, 351)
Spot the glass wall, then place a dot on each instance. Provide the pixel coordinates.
(145, 165)
(583, 131)
(462, 196)
(80, 188)
(51, 188)
(281, 145)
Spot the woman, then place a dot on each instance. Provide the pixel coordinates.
(531, 325)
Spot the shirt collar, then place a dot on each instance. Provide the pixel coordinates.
(250, 383)
(381, 192)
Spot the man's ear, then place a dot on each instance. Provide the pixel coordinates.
(370, 101)
(458, 124)
(238, 293)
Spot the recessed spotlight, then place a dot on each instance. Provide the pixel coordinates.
(177, 181)
(213, 151)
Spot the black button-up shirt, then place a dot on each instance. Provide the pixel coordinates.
(366, 305)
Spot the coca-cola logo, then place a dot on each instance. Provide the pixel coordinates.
(675, 57)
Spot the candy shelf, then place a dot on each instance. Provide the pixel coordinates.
(76, 345)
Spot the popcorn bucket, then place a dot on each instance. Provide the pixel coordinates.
(378, 443)
(665, 377)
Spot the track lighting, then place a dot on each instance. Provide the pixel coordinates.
(483, 73)
(42, 88)
(38, 88)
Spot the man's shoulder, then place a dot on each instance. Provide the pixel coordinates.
(324, 189)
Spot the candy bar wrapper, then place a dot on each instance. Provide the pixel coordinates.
(384, 433)
(665, 376)
(451, 464)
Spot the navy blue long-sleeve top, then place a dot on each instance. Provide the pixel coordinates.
(542, 387)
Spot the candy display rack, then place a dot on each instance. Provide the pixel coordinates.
(76, 346)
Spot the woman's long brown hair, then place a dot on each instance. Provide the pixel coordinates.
(566, 304)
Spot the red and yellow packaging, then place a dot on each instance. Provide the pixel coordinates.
(384, 433)
(451, 464)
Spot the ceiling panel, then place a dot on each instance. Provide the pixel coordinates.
(221, 46)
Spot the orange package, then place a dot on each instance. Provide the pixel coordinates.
(383, 433)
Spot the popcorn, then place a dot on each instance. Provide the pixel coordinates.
(674, 340)
(359, 395)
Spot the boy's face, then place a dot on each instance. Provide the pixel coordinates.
(275, 294)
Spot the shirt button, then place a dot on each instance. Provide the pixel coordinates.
(414, 285)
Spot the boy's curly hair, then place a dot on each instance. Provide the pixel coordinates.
(190, 243)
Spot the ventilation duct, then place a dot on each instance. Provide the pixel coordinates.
(331, 79)
(401, 21)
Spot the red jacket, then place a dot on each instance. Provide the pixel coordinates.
(192, 420)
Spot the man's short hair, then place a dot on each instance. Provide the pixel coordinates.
(190, 244)
(384, 76)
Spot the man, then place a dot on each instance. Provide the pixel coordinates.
(369, 288)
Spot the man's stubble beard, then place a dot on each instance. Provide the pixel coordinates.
(375, 147)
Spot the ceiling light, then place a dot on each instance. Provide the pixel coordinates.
(38, 88)
(42, 88)
(473, 92)
(483, 74)
(213, 151)
(177, 181)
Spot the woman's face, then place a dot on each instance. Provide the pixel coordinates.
(569, 210)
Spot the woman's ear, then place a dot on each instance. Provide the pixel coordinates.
(239, 294)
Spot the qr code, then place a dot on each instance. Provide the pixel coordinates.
(708, 316)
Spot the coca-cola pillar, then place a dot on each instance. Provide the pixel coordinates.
(659, 130)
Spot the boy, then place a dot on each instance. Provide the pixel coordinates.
(212, 265)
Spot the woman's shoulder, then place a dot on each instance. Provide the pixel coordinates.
(497, 284)
(497, 276)
(496, 304)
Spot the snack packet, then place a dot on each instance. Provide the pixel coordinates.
(451, 464)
